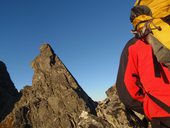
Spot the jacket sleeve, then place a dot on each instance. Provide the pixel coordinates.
(127, 78)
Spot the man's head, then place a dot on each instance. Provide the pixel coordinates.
(139, 10)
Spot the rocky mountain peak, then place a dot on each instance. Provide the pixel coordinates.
(45, 49)
(45, 60)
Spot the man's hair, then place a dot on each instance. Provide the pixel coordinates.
(139, 10)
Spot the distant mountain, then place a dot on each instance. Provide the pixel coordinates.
(56, 100)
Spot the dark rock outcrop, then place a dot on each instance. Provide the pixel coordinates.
(8, 93)
(55, 100)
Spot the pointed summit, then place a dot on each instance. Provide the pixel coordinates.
(48, 68)
(47, 51)
(46, 48)
(45, 60)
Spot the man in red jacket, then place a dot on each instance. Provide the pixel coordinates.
(143, 84)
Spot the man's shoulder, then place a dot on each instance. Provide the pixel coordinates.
(132, 41)
(136, 46)
(135, 43)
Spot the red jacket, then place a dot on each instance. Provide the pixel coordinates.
(143, 83)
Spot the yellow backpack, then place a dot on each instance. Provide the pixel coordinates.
(151, 20)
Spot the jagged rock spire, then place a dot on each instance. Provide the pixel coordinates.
(45, 60)
(54, 99)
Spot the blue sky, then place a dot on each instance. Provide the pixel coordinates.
(87, 35)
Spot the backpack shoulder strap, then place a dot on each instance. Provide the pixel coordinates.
(160, 103)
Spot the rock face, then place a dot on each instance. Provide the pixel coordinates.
(55, 100)
(8, 93)
(112, 110)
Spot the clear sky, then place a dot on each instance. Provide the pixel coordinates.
(87, 35)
